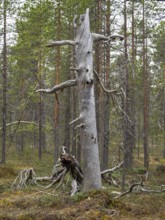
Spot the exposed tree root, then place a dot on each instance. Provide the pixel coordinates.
(67, 164)
(25, 176)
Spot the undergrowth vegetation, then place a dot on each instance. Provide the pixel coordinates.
(36, 203)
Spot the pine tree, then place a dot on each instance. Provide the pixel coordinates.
(4, 75)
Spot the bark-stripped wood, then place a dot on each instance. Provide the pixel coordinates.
(85, 83)
(61, 86)
(84, 61)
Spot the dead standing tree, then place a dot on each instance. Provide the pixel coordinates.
(84, 81)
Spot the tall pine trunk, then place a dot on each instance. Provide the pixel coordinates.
(57, 81)
(106, 106)
(145, 97)
(4, 76)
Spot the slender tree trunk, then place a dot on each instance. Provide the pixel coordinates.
(132, 82)
(145, 101)
(127, 102)
(76, 148)
(127, 139)
(4, 75)
(124, 99)
(69, 102)
(106, 106)
(22, 143)
(164, 122)
(40, 112)
(139, 130)
(40, 104)
(43, 127)
(98, 67)
(67, 120)
(57, 81)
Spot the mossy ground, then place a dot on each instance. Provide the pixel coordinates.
(32, 203)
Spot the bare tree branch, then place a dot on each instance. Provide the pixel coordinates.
(99, 37)
(113, 169)
(61, 86)
(141, 184)
(102, 86)
(162, 189)
(62, 42)
(59, 177)
(20, 122)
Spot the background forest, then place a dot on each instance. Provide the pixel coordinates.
(129, 80)
(131, 118)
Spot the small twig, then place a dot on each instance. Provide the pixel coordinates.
(47, 193)
(75, 120)
(79, 126)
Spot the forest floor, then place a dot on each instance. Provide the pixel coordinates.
(40, 204)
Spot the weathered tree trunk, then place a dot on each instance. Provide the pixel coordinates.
(85, 81)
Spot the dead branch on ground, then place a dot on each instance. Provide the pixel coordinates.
(67, 164)
(140, 187)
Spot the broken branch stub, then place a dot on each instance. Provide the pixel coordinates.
(100, 37)
(62, 42)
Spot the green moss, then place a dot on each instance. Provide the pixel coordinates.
(6, 171)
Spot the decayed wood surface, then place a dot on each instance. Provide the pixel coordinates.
(84, 62)
(83, 44)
